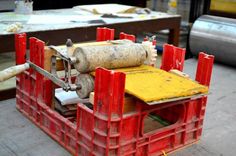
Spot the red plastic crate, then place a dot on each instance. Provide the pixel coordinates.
(107, 130)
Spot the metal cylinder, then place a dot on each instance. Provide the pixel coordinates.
(216, 36)
(86, 82)
(110, 57)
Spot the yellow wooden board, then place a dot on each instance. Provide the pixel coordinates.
(151, 84)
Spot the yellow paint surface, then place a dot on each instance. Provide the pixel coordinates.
(152, 84)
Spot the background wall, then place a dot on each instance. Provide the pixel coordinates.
(6, 5)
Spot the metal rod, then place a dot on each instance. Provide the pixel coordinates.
(55, 79)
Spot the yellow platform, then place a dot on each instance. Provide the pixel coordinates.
(151, 84)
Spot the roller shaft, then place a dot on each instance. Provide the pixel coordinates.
(13, 71)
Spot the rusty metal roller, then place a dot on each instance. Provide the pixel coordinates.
(110, 57)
